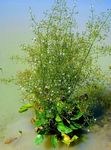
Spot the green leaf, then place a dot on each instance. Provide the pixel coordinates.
(73, 127)
(63, 129)
(54, 141)
(77, 125)
(22, 109)
(78, 116)
(74, 138)
(41, 115)
(59, 106)
(58, 119)
(43, 131)
(28, 105)
(39, 139)
(38, 123)
(25, 107)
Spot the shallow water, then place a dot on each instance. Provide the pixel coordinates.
(97, 139)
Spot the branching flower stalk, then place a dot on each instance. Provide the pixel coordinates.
(89, 50)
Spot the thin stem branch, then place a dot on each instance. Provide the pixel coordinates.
(85, 58)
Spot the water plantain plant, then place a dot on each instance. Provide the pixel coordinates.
(62, 76)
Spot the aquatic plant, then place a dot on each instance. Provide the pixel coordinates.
(62, 76)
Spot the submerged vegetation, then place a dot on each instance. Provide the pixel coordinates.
(63, 82)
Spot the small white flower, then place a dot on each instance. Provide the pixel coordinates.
(69, 88)
(34, 39)
(63, 54)
(46, 86)
(68, 75)
(22, 89)
(48, 51)
(69, 91)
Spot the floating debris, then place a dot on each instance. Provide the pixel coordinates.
(20, 132)
(33, 121)
(10, 140)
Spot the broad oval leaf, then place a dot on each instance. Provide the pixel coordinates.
(74, 138)
(77, 125)
(28, 105)
(22, 109)
(25, 107)
(38, 123)
(73, 127)
(78, 116)
(39, 139)
(63, 129)
(58, 119)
